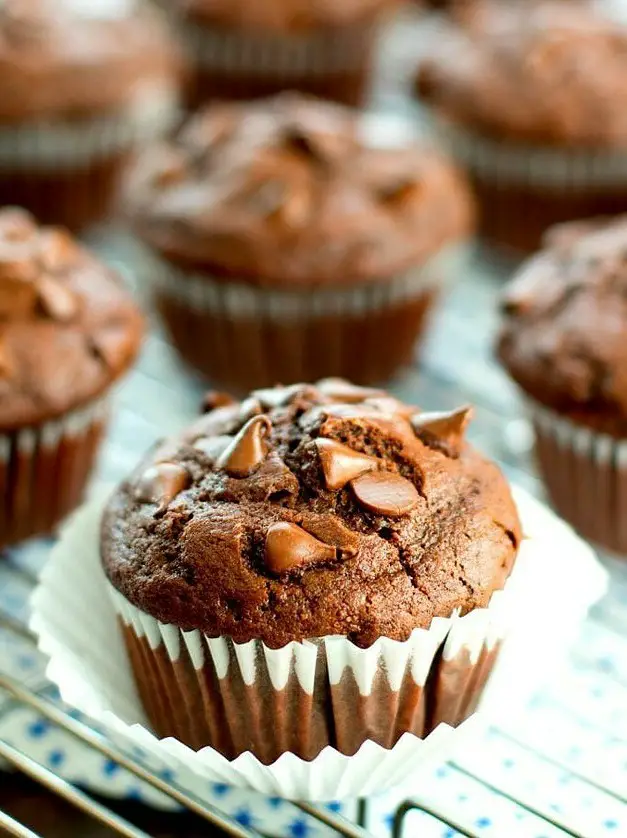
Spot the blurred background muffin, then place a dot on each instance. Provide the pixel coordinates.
(531, 98)
(245, 49)
(68, 331)
(288, 249)
(564, 341)
(82, 84)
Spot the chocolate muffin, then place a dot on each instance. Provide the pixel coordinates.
(564, 341)
(284, 242)
(68, 330)
(313, 566)
(82, 85)
(529, 97)
(245, 49)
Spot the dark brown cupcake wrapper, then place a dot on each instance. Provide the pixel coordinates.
(585, 473)
(522, 190)
(69, 174)
(44, 471)
(312, 695)
(245, 337)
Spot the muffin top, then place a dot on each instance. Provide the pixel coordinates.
(541, 72)
(67, 327)
(283, 15)
(308, 511)
(71, 59)
(564, 338)
(286, 191)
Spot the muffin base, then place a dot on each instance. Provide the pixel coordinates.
(522, 191)
(585, 473)
(213, 692)
(332, 64)
(44, 471)
(243, 337)
(516, 217)
(70, 173)
(75, 199)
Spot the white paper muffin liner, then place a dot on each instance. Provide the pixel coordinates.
(585, 473)
(76, 625)
(53, 145)
(559, 169)
(44, 470)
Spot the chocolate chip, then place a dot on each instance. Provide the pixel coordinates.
(249, 448)
(214, 399)
(56, 299)
(57, 250)
(249, 407)
(443, 431)
(396, 191)
(340, 464)
(17, 225)
(277, 396)
(332, 531)
(289, 547)
(161, 483)
(343, 391)
(386, 493)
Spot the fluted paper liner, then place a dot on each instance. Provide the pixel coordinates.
(523, 190)
(248, 337)
(68, 173)
(585, 473)
(246, 64)
(44, 470)
(76, 625)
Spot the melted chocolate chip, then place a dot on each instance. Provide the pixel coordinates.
(161, 483)
(396, 191)
(249, 448)
(443, 431)
(343, 391)
(340, 464)
(277, 396)
(214, 399)
(57, 250)
(289, 547)
(386, 493)
(332, 531)
(56, 299)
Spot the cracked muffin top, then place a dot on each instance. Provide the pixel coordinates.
(68, 326)
(308, 511)
(291, 192)
(564, 335)
(545, 72)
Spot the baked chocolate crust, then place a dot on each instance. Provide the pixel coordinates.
(310, 511)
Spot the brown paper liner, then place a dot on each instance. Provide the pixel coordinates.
(43, 474)
(516, 216)
(227, 65)
(74, 197)
(200, 709)
(585, 474)
(242, 354)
